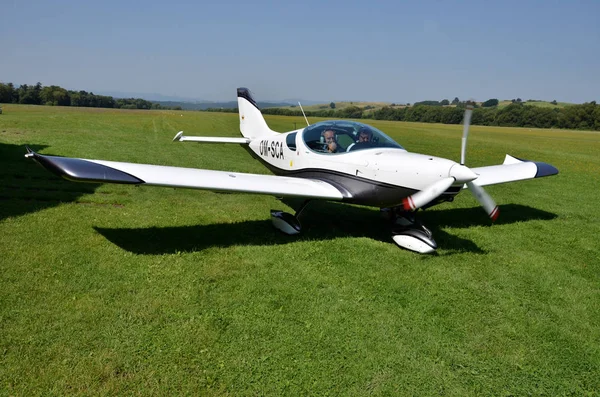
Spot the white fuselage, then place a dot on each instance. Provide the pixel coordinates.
(381, 165)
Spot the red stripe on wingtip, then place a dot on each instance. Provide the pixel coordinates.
(494, 214)
(408, 204)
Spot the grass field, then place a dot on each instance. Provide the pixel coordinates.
(110, 289)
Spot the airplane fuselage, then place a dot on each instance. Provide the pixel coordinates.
(379, 177)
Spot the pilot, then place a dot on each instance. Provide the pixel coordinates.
(364, 135)
(331, 141)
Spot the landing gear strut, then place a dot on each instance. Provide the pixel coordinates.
(286, 222)
(409, 233)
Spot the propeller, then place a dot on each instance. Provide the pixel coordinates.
(458, 173)
(486, 201)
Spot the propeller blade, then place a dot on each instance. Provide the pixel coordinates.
(466, 124)
(486, 201)
(426, 195)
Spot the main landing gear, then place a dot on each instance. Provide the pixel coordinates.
(408, 232)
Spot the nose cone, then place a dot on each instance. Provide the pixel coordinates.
(462, 174)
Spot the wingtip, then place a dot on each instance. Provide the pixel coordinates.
(30, 153)
(545, 169)
(177, 136)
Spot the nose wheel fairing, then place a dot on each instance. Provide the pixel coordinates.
(414, 237)
(408, 232)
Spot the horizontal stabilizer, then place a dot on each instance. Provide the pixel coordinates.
(210, 139)
(513, 169)
(100, 171)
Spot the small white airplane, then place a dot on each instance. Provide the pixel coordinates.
(336, 160)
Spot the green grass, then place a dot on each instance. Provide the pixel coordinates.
(110, 289)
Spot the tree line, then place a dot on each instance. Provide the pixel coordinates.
(585, 116)
(517, 114)
(54, 95)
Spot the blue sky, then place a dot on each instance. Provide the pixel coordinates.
(337, 50)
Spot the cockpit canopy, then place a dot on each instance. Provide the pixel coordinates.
(340, 136)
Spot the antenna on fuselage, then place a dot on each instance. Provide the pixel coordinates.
(304, 114)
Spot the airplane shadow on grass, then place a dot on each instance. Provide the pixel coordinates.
(321, 221)
(26, 187)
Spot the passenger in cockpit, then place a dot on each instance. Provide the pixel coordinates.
(364, 135)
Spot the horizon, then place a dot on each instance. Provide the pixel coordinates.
(394, 52)
(287, 101)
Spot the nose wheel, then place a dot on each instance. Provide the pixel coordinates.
(409, 233)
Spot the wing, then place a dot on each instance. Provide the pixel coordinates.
(513, 169)
(210, 139)
(82, 170)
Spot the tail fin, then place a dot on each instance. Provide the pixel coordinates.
(252, 122)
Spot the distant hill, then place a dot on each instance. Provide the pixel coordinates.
(154, 97)
(367, 107)
(371, 107)
(540, 104)
(198, 103)
(308, 105)
(294, 101)
(217, 105)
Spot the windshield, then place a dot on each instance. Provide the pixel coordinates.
(342, 136)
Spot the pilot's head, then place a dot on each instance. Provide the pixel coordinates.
(365, 135)
(329, 136)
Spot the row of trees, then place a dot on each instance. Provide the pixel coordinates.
(443, 102)
(487, 104)
(57, 96)
(517, 114)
